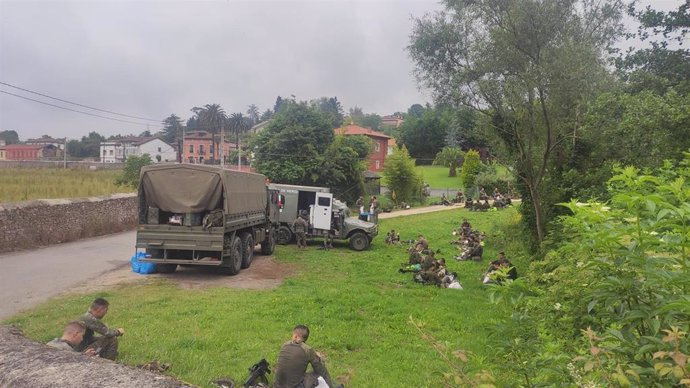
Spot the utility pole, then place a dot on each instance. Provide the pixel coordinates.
(239, 155)
(64, 154)
(222, 141)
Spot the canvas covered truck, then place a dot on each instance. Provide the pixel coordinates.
(192, 214)
(324, 213)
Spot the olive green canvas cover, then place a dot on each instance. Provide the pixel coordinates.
(193, 188)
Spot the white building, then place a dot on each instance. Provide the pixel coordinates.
(114, 151)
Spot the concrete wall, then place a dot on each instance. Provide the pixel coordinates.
(32, 224)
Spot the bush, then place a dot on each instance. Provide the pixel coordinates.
(401, 176)
(130, 174)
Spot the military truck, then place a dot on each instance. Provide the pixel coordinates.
(323, 213)
(193, 214)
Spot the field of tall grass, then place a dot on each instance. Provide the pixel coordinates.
(374, 325)
(22, 184)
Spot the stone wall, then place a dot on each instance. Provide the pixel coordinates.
(32, 224)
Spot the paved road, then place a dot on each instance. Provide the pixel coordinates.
(28, 278)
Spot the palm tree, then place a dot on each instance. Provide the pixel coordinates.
(211, 117)
(239, 124)
(449, 157)
(253, 113)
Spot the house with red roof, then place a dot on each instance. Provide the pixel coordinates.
(23, 152)
(382, 144)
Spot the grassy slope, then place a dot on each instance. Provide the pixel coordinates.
(356, 304)
(21, 184)
(437, 177)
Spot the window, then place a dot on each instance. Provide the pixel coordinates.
(201, 159)
(191, 148)
(378, 146)
(201, 149)
(211, 150)
(378, 164)
(159, 149)
(105, 152)
(324, 201)
(111, 152)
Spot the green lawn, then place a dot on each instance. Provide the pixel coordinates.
(437, 177)
(356, 303)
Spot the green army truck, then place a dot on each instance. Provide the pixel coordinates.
(192, 214)
(324, 214)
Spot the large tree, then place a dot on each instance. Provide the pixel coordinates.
(9, 136)
(239, 124)
(173, 133)
(290, 149)
(425, 136)
(331, 108)
(529, 66)
(211, 117)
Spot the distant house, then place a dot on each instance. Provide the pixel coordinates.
(381, 144)
(198, 147)
(3, 152)
(23, 152)
(259, 127)
(392, 121)
(48, 141)
(117, 151)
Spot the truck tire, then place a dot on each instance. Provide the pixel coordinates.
(247, 241)
(232, 263)
(359, 241)
(284, 235)
(166, 268)
(269, 244)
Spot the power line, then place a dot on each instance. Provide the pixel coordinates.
(78, 104)
(73, 110)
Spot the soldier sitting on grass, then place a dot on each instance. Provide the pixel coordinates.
(72, 336)
(105, 344)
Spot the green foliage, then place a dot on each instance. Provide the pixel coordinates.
(424, 136)
(299, 147)
(385, 331)
(449, 157)
(470, 169)
(331, 109)
(400, 175)
(528, 66)
(10, 137)
(88, 147)
(23, 184)
(130, 174)
(495, 176)
(611, 305)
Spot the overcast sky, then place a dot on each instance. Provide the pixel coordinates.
(150, 59)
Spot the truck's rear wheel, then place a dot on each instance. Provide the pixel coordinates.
(166, 268)
(247, 241)
(284, 235)
(269, 244)
(232, 263)
(359, 241)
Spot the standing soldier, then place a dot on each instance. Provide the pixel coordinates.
(299, 226)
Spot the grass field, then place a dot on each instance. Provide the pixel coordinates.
(437, 177)
(356, 303)
(21, 184)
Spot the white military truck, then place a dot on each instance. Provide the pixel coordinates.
(324, 214)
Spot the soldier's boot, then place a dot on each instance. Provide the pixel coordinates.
(108, 347)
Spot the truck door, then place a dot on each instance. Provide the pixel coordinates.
(321, 212)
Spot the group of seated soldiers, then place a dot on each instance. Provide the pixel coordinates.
(500, 201)
(426, 268)
(469, 241)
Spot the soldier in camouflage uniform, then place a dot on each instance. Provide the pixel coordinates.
(106, 344)
(71, 338)
(299, 226)
(292, 363)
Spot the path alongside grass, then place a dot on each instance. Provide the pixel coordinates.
(356, 303)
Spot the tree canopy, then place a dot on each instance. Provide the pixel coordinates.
(527, 65)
